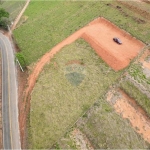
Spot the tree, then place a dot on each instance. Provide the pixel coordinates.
(4, 18)
(4, 22)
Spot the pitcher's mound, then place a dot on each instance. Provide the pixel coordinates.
(100, 34)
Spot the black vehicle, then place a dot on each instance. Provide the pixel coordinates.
(117, 40)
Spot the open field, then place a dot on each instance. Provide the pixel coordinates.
(76, 77)
(52, 23)
(13, 7)
(66, 88)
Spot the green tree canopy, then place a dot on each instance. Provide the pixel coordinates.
(4, 18)
(3, 13)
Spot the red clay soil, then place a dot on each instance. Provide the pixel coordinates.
(99, 33)
(128, 109)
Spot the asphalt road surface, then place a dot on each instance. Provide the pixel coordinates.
(11, 136)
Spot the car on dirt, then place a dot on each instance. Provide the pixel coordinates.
(117, 40)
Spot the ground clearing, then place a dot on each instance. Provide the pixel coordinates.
(66, 88)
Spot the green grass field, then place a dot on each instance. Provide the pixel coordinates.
(13, 7)
(50, 22)
(66, 88)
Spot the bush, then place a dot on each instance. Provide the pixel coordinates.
(4, 18)
(21, 59)
(4, 22)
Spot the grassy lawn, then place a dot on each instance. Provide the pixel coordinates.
(105, 129)
(13, 7)
(50, 22)
(66, 88)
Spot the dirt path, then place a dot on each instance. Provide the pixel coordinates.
(128, 109)
(19, 16)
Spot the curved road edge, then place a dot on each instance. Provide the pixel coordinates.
(11, 134)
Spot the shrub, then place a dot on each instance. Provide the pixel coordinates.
(4, 18)
(21, 59)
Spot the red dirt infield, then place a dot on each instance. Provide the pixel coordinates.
(100, 34)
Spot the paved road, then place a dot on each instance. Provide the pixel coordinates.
(11, 138)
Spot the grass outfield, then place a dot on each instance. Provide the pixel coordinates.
(50, 22)
(13, 7)
(66, 88)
